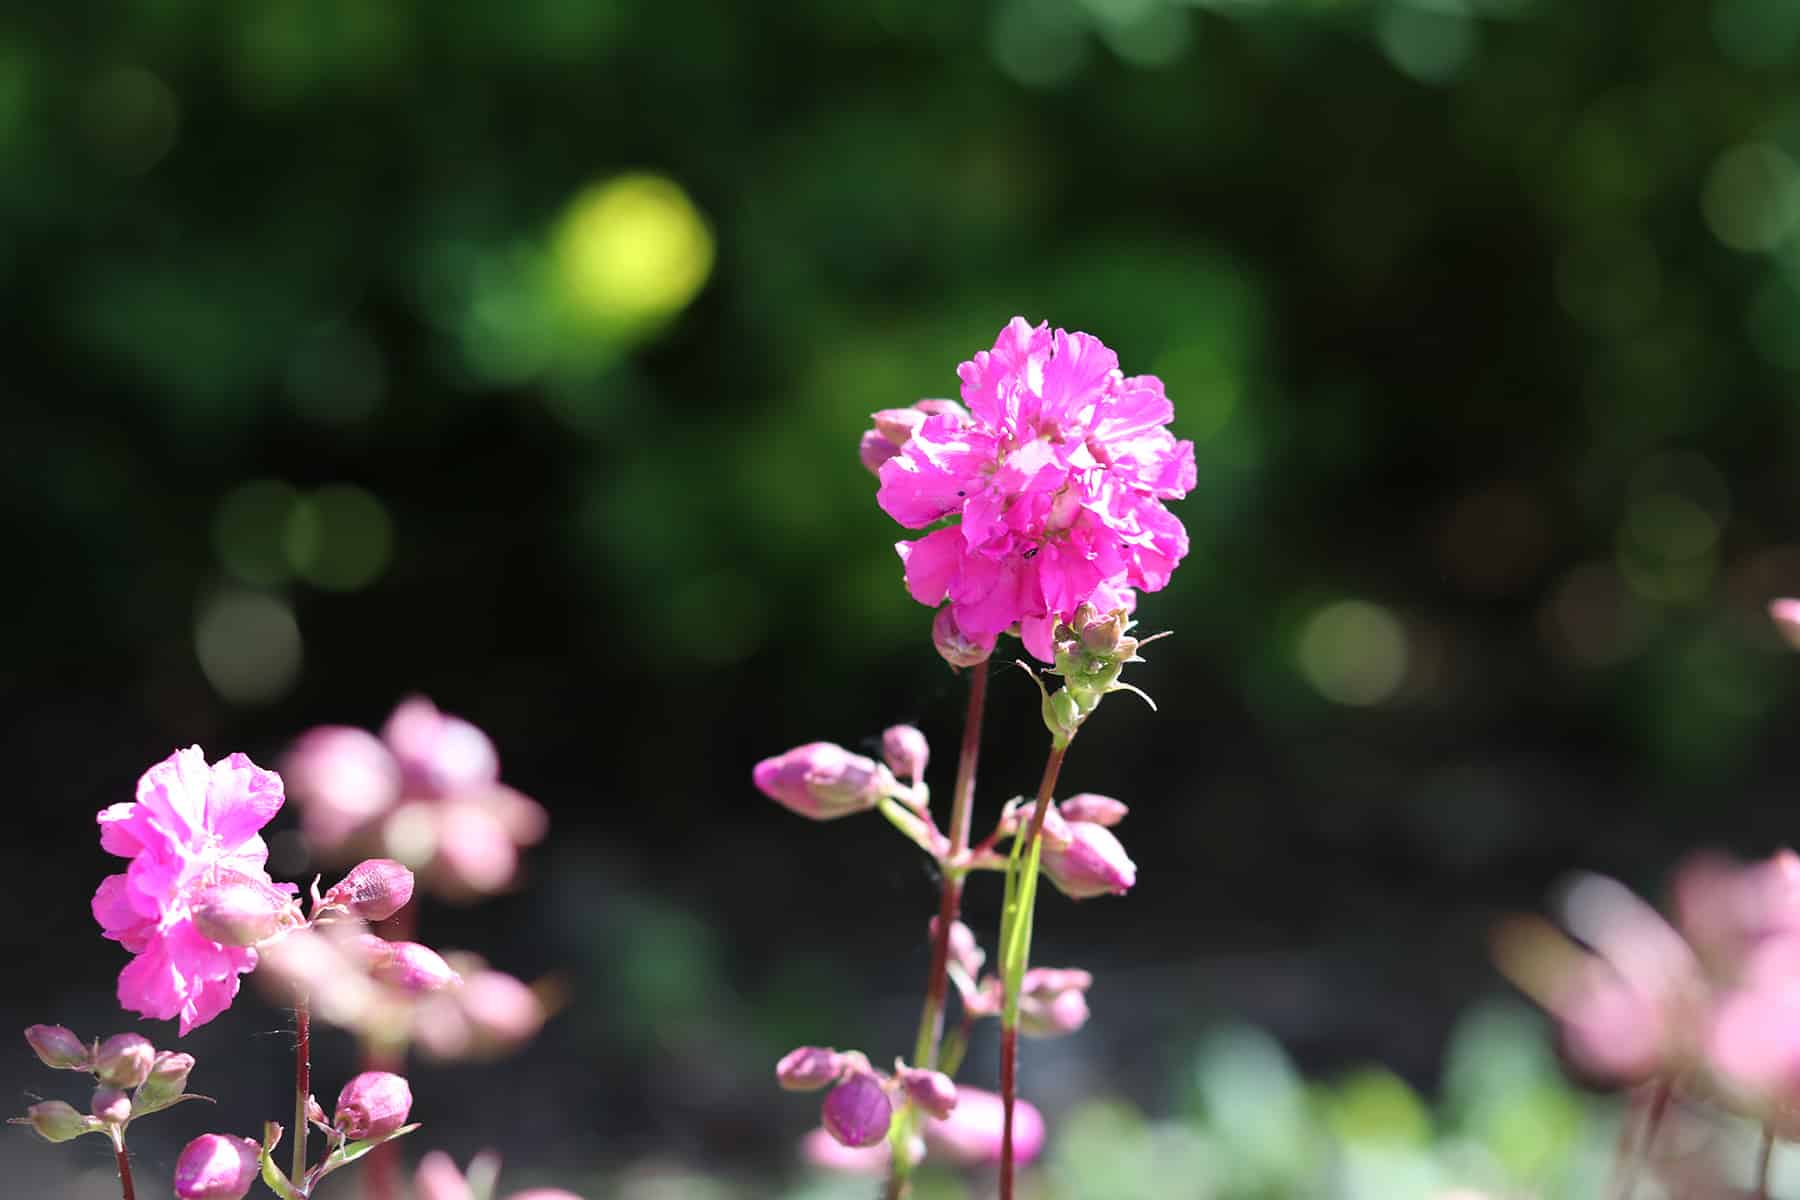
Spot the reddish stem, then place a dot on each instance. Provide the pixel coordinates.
(302, 1087)
(126, 1191)
(382, 1169)
(962, 808)
(1009, 1066)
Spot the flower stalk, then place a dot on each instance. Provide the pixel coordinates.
(302, 1084)
(126, 1190)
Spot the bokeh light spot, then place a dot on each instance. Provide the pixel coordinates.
(1353, 652)
(248, 644)
(631, 251)
(1039, 43)
(1756, 33)
(340, 538)
(335, 376)
(1432, 43)
(248, 529)
(131, 118)
(1752, 197)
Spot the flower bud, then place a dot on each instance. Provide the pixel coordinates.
(965, 952)
(1786, 615)
(124, 1060)
(895, 425)
(216, 1167)
(375, 889)
(168, 1077)
(955, 647)
(1092, 864)
(56, 1121)
(58, 1047)
(241, 912)
(932, 1091)
(543, 1194)
(1053, 1001)
(110, 1105)
(821, 781)
(412, 968)
(1063, 715)
(971, 1135)
(503, 1013)
(372, 1105)
(808, 1069)
(1017, 817)
(857, 1112)
(905, 751)
(1094, 809)
(875, 450)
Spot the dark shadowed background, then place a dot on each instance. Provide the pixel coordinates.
(517, 355)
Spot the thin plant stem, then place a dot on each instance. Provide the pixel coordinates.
(126, 1190)
(1015, 951)
(302, 1086)
(931, 1017)
(1763, 1157)
(1637, 1138)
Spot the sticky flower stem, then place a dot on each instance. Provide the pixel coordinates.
(126, 1190)
(1763, 1156)
(302, 1085)
(931, 1017)
(1015, 948)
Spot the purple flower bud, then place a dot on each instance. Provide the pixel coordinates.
(241, 912)
(111, 1105)
(955, 647)
(124, 1060)
(1092, 864)
(1786, 615)
(58, 1047)
(857, 1112)
(375, 889)
(412, 968)
(1053, 1001)
(372, 1105)
(875, 450)
(895, 425)
(905, 751)
(1017, 816)
(56, 1121)
(808, 1069)
(822, 781)
(932, 1091)
(971, 1135)
(168, 1077)
(216, 1167)
(1095, 810)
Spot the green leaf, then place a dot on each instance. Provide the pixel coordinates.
(157, 1105)
(272, 1174)
(345, 1155)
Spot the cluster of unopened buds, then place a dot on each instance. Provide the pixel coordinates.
(823, 781)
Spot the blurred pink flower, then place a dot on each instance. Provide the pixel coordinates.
(970, 1135)
(1057, 476)
(427, 793)
(438, 1179)
(192, 827)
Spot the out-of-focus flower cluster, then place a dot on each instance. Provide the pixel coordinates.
(426, 792)
(1706, 1004)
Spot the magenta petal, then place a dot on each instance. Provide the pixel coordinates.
(118, 830)
(112, 909)
(1075, 376)
(931, 563)
(242, 799)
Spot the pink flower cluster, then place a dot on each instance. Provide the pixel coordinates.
(1710, 1002)
(193, 828)
(426, 792)
(1054, 476)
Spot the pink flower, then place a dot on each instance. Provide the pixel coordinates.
(372, 1105)
(192, 827)
(1056, 477)
(970, 1136)
(216, 1167)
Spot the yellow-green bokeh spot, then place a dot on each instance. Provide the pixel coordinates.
(629, 253)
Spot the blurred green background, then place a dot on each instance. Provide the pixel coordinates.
(518, 353)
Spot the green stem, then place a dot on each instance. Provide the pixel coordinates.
(1015, 948)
